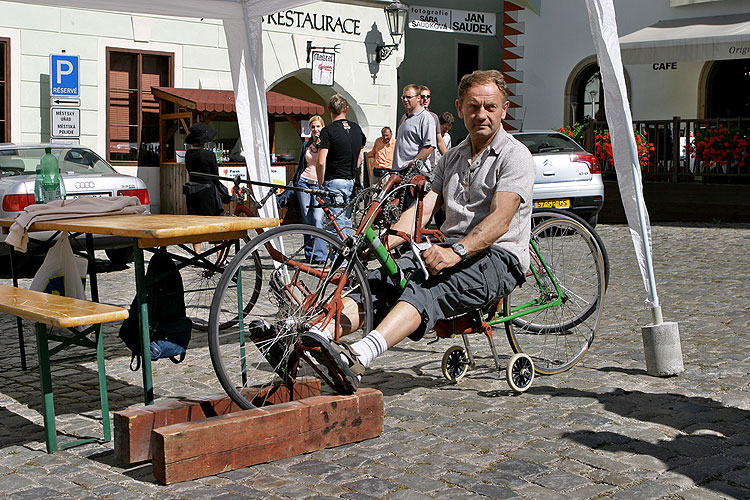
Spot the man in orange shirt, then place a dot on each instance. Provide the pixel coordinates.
(381, 155)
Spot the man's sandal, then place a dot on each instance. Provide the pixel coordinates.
(344, 373)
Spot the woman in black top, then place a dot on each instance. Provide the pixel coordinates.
(203, 195)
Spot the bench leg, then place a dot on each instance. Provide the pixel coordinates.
(106, 428)
(48, 405)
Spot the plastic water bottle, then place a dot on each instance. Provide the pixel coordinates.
(52, 184)
(38, 187)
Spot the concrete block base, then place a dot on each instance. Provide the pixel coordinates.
(661, 345)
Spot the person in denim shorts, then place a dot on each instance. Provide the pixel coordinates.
(485, 184)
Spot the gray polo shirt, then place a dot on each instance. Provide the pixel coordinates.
(414, 133)
(468, 188)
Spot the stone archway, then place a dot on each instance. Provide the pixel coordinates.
(584, 93)
(297, 84)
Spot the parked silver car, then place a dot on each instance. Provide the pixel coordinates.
(567, 176)
(84, 173)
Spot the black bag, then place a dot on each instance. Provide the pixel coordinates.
(226, 198)
(169, 326)
(191, 188)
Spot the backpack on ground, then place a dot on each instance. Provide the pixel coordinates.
(169, 326)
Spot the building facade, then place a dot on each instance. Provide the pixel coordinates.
(543, 47)
(546, 52)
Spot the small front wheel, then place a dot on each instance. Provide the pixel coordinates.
(455, 363)
(520, 372)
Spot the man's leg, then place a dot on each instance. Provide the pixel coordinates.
(343, 189)
(346, 363)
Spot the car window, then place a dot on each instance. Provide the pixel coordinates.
(548, 143)
(23, 161)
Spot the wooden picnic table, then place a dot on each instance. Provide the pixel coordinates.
(149, 231)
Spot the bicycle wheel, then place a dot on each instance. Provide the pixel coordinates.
(558, 336)
(201, 277)
(255, 365)
(538, 216)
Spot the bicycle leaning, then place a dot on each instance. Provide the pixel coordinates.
(550, 322)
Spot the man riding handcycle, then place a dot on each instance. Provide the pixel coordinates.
(485, 184)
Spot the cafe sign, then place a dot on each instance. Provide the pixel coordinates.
(453, 21)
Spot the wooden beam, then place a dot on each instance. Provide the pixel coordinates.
(133, 426)
(171, 98)
(295, 123)
(209, 117)
(175, 116)
(201, 448)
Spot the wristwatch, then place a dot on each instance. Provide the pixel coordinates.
(460, 250)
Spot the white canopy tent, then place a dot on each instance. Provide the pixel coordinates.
(242, 24)
(694, 39)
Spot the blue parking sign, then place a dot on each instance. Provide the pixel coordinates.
(63, 75)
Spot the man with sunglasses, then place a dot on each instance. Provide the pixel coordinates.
(440, 147)
(417, 131)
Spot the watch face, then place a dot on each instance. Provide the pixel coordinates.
(459, 249)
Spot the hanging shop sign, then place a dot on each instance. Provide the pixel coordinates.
(323, 64)
(453, 21)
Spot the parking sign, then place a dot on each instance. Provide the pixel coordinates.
(63, 75)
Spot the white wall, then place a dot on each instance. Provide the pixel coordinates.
(559, 38)
(373, 104)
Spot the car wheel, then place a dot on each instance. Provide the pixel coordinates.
(119, 257)
(593, 220)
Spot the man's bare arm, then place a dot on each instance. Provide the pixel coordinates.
(442, 148)
(320, 167)
(504, 207)
(424, 153)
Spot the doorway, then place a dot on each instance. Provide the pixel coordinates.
(728, 89)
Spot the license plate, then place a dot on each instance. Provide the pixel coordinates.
(89, 195)
(560, 203)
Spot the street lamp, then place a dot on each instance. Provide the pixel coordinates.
(395, 14)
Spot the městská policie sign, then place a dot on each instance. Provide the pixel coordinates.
(453, 21)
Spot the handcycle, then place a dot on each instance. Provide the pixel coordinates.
(550, 323)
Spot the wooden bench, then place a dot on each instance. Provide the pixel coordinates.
(63, 312)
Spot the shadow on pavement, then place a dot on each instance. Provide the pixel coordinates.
(710, 442)
(626, 371)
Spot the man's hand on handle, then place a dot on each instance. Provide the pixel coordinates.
(437, 258)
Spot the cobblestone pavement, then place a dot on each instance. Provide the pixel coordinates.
(603, 430)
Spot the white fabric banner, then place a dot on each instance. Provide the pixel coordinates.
(604, 30)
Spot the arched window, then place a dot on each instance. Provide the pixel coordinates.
(587, 95)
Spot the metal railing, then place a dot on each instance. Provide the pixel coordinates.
(675, 156)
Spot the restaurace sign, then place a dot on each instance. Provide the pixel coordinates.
(314, 21)
(453, 21)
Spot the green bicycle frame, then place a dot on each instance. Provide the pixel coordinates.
(538, 304)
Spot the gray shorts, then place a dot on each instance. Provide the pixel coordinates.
(481, 280)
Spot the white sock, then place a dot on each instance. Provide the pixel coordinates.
(370, 347)
(323, 331)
